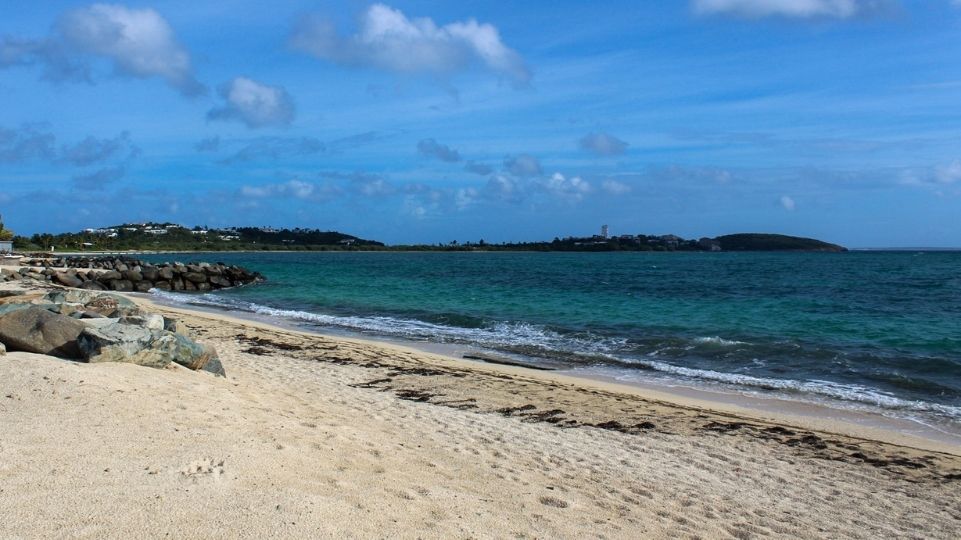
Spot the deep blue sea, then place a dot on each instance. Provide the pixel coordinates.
(876, 330)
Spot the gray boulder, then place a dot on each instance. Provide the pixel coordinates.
(150, 273)
(132, 275)
(67, 279)
(92, 285)
(108, 276)
(121, 285)
(142, 286)
(196, 277)
(120, 343)
(38, 330)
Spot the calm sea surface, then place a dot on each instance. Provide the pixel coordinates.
(865, 329)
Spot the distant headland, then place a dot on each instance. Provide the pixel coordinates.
(173, 237)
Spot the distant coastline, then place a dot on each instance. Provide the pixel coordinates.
(174, 238)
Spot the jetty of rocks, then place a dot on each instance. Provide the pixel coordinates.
(125, 274)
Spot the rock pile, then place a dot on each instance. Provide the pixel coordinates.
(123, 274)
(92, 326)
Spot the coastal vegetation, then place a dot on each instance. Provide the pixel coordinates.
(174, 237)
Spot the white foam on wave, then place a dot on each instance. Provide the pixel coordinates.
(513, 334)
(843, 392)
(717, 340)
(517, 334)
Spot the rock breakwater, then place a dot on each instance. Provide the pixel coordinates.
(128, 275)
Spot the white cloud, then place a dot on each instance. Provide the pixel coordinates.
(388, 39)
(572, 188)
(140, 43)
(803, 9)
(788, 203)
(255, 104)
(291, 188)
(951, 173)
(615, 188)
(603, 144)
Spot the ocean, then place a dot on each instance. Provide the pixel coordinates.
(877, 331)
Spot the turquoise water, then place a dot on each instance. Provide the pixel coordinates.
(869, 329)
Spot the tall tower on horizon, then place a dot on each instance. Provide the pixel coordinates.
(605, 232)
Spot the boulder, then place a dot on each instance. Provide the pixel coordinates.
(132, 275)
(177, 284)
(165, 273)
(116, 342)
(10, 308)
(67, 279)
(38, 330)
(162, 285)
(189, 286)
(150, 321)
(92, 285)
(196, 277)
(213, 364)
(183, 350)
(121, 285)
(142, 286)
(108, 276)
(220, 281)
(150, 273)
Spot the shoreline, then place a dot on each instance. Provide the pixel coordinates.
(769, 409)
(317, 436)
(820, 416)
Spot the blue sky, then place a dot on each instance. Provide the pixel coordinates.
(434, 121)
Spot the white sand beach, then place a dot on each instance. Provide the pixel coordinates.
(314, 436)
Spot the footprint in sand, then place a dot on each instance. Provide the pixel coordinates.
(203, 468)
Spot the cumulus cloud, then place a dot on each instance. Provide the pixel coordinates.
(432, 148)
(139, 42)
(100, 179)
(802, 9)
(503, 188)
(372, 186)
(572, 188)
(292, 188)
(788, 203)
(58, 64)
(951, 173)
(524, 165)
(27, 143)
(603, 144)
(255, 104)
(34, 142)
(274, 148)
(615, 188)
(387, 39)
(92, 150)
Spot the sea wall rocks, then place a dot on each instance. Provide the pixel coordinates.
(93, 326)
(130, 275)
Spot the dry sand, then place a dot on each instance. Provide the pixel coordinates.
(312, 436)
